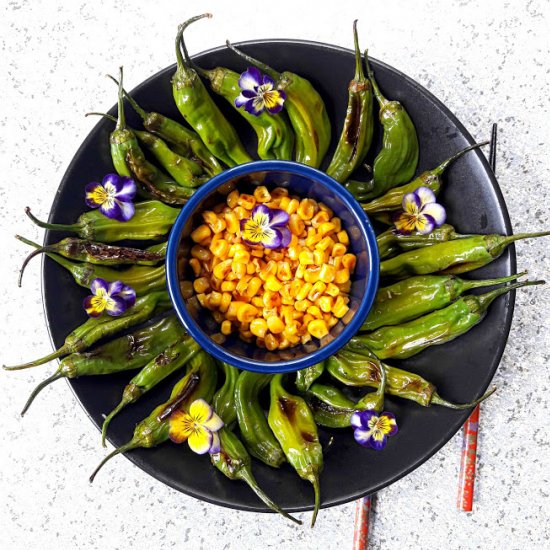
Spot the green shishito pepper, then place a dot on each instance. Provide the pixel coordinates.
(96, 328)
(397, 160)
(152, 221)
(199, 382)
(383, 207)
(438, 327)
(453, 257)
(258, 437)
(176, 354)
(224, 398)
(416, 296)
(306, 111)
(200, 111)
(128, 352)
(356, 137)
(306, 377)
(293, 424)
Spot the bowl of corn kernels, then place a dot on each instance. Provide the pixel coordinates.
(272, 266)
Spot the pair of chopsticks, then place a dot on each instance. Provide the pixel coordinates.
(466, 480)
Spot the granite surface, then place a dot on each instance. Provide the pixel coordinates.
(487, 60)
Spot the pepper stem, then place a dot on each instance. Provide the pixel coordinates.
(55, 376)
(39, 250)
(108, 419)
(437, 400)
(446, 163)
(139, 110)
(265, 68)
(180, 43)
(52, 226)
(63, 350)
(246, 475)
(121, 123)
(122, 449)
(520, 236)
(382, 101)
(486, 299)
(359, 74)
(110, 117)
(470, 284)
(314, 479)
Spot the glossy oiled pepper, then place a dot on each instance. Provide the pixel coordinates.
(438, 327)
(199, 382)
(397, 160)
(200, 111)
(175, 355)
(152, 221)
(224, 399)
(234, 462)
(416, 296)
(257, 436)
(356, 137)
(306, 111)
(293, 424)
(458, 256)
(383, 207)
(141, 278)
(96, 328)
(306, 377)
(127, 352)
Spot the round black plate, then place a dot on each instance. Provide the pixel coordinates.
(461, 370)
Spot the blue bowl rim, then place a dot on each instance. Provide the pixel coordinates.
(323, 352)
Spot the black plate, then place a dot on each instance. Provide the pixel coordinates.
(461, 370)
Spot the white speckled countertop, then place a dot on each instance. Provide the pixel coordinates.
(486, 59)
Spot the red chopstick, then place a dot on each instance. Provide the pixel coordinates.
(361, 531)
(467, 475)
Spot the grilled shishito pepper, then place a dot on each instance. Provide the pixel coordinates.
(306, 377)
(306, 111)
(453, 257)
(175, 355)
(199, 382)
(293, 424)
(258, 438)
(128, 352)
(356, 137)
(95, 328)
(416, 296)
(438, 327)
(224, 399)
(152, 220)
(200, 111)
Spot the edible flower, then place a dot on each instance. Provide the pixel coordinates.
(113, 196)
(198, 427)
(267, 227)
(421, 213)
(114, 298)
(258, 92)
(372, 428)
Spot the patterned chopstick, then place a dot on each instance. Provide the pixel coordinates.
(361, 531)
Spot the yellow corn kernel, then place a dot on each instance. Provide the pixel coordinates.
(326, 228)
(305, 338)
(293, 252)
(257, 252)
(266, 312)
(290, 330)
(273, 284)
(283, 271)
(325, 304)
(201, 285)
(318, 328)
(247, 336)
(228, 286)
(337, 222)
(257, 301)
(304, 291)
(195, 266)
(239, 268)
(276, 255)
(260, 342)
(222, 269)
(312, 238)
(186, 289)
(250, 269)
(307, 209)
(231, 276)
(338, 249)
(215, 299)
(307, 319)
(226, 327)
(283, 203)
(342, 276)
(325, 208)
(295, 287)
(202, 300)
(271, 299)
(339, 312)
(271, 343)
(332, 321)
(316, 291)
(302, 305)
(241, 256)
(345, 287)
(201, 253)
(215, 283)
(279, 192)
(327, 273)
(234, 248)
(241, 212)
(336, 261)
(258, 327)
(246, 313)
(312, 274)
(261, 194)
(231, 312)
(270, 269)
(325, 243)
(343, 237)
(306, 257)
(332, 290)
(320, 257)
(319, 219)
(220, 248)
(253, 286)
(284, 343)
(300, 271)
(349, 261)
(216, 224)
(242, 285)
(247, 201)
(285, 293)
(296, 225)
(292, 207)
(315, 312)
(226, 300)
(232, 222)
(232, 199)
(275, 324)
(201, 234)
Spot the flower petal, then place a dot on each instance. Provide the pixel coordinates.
(356, 420)
(268, 80)
(255, 106)
(436, 212)
(411, 203)
(99, 285)
(93, 305)
(128, 294)
(272, 238)
(425, 195)
(200, 411)
(250, 79)
(424, 224)
(111, 208)
(95, 195)
(214, 423)
(127, 210)
(215, 446)
(389, 418)
(180, 426)
(362, 436)
(405, 223)
(366, 418)
(261, 211)
(241, 100)
(114, 288)
(286, 236)
(115, 306)
(127, 189)
(378, 440)
(200, 441)
(277, 217)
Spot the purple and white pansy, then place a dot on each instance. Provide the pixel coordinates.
(372, 428)
(113, 196)
(258, 93)
(266, 227)
(113, 298)
(421, 213)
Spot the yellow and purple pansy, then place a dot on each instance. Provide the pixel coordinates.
(199, 427)
(421, 213)
(113, 196)
(258, 93)
(266, 227)
(372, 429)
(113, 298)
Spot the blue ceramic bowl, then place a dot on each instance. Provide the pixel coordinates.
(303, 181)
